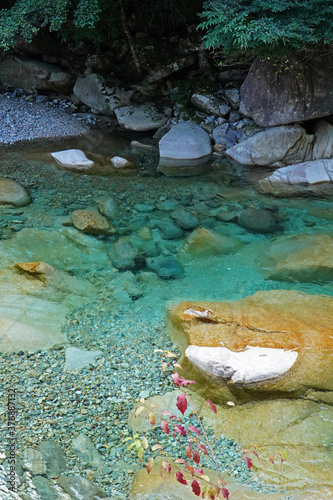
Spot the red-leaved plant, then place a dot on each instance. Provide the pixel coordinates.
(198, 442)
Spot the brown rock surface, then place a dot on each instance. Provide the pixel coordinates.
(34, 301)
(12, 193)
(278, 319)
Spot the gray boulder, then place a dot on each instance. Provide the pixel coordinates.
(276, 95)
(311, 177)
(277, 146)
(323, 141)
(93, 91)
(54, 458)
(210, 103)
(185, 141)
(30, 74)
(142, 118)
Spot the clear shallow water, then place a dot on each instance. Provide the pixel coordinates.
(131, 304)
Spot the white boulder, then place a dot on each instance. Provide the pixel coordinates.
(255, 364)
(73, 158)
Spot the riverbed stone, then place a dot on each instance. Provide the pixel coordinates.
(311, 177)
(210, 102)
(108, 206)
(123, 254)
(165, 267)
(84, 448)
(276, 146)
(275, 95)
(53, 456)
(76, 358)
(307, 258)
(168, 229)
(78, 488)
(93, 91)
(277, 320)
(74, 159)
(13, 193)
(46, 489)
(258, 220)
(185, 141)
(33, 461)
(66, 249)
(184, 218)
(90, 222)
(24, 73)
(203, 243)
(142, 118)
(34, 301)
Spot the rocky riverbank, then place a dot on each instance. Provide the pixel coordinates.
(26, 121)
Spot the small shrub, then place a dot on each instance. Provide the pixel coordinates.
(194, 441)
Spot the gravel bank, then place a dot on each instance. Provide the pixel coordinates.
(24, 121)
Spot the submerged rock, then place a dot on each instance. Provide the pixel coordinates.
(90, 222)
(258, 220)
(34, 301)
(203, 243)
(13, 193)
(184, 219)
(123, 254)
(278, 320)
(301, 257)
(165, 267)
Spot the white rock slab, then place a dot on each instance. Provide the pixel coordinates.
(310, 173)
(76, 359)
(73, 158)
(255, 364)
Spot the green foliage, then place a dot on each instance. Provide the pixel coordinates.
(267, 27)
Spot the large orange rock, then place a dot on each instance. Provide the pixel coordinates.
(284, 336)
